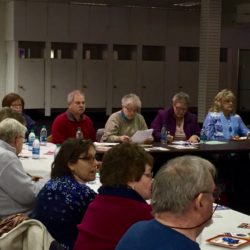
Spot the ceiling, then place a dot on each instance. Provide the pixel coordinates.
(228, 6)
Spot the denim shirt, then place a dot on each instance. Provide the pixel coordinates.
(221, 128)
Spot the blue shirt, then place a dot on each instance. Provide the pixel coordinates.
(148, 235)
(221, 128)
(60, 206)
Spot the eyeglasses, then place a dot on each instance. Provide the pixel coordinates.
(90, 159)
(149, 175)
(131, 110)
(180, 109)
(16, 105)
(216, 194)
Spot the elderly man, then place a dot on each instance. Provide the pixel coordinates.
(66, 124)
(182, 202)
(17, 190)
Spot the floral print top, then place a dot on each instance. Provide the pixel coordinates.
(60, 206)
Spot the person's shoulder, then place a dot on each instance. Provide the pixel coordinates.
(7, 151)
(214, 114)
(114, 116)
(236, 116)
(62, 116)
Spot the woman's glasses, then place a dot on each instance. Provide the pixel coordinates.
(90, 159)
(149, 175)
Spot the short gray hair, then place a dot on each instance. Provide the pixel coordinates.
(181, 97)
(72, 94)
(179, 181)
(132, 99)
(10, 129)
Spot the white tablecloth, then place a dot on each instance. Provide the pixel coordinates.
(224, 221)
(41, 166)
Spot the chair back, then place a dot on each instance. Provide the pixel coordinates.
(99, 134)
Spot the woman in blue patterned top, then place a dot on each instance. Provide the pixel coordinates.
(64, 199)
(222, 123)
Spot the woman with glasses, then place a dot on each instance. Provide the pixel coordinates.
(126, 183)
(122, 124)
(16, 102)
(221, 122)
(64, 199)
(181, 124)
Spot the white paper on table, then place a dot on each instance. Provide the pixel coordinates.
(141, 135)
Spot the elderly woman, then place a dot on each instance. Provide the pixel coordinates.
(221, 123)
(181, 124)
(63, 201)
(123, 124)
(16, 102)
(126, 183)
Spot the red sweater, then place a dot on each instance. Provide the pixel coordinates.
(64, 127)
(107, 219)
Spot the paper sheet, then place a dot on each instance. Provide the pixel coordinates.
(141, 135)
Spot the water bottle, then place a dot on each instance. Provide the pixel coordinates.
(43, 136)
(36, 149)
(248, 135)
(31, 139)
(79, 134)
(163, 135)
(203, 136)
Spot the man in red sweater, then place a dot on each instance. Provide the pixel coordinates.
(66, 124)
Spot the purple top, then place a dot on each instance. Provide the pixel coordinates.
(166, 117)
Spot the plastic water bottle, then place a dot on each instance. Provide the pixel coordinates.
(248, 135)
(43, 136)
(163, 135)
(203, 136)
(31, 139)
(79, 134)
(36, 149)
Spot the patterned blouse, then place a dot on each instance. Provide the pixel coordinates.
(60, 206)
(219, 127)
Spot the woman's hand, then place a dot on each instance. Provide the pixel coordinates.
(194, 139)
(124, 138)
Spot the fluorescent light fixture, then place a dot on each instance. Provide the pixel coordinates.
(187, 4)
(94, 4)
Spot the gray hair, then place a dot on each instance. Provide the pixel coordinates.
(131, 99)
(181, 97)
(72, 94)
(179, 181)
(10, 129)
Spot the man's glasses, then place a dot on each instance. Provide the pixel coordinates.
(216, 195)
